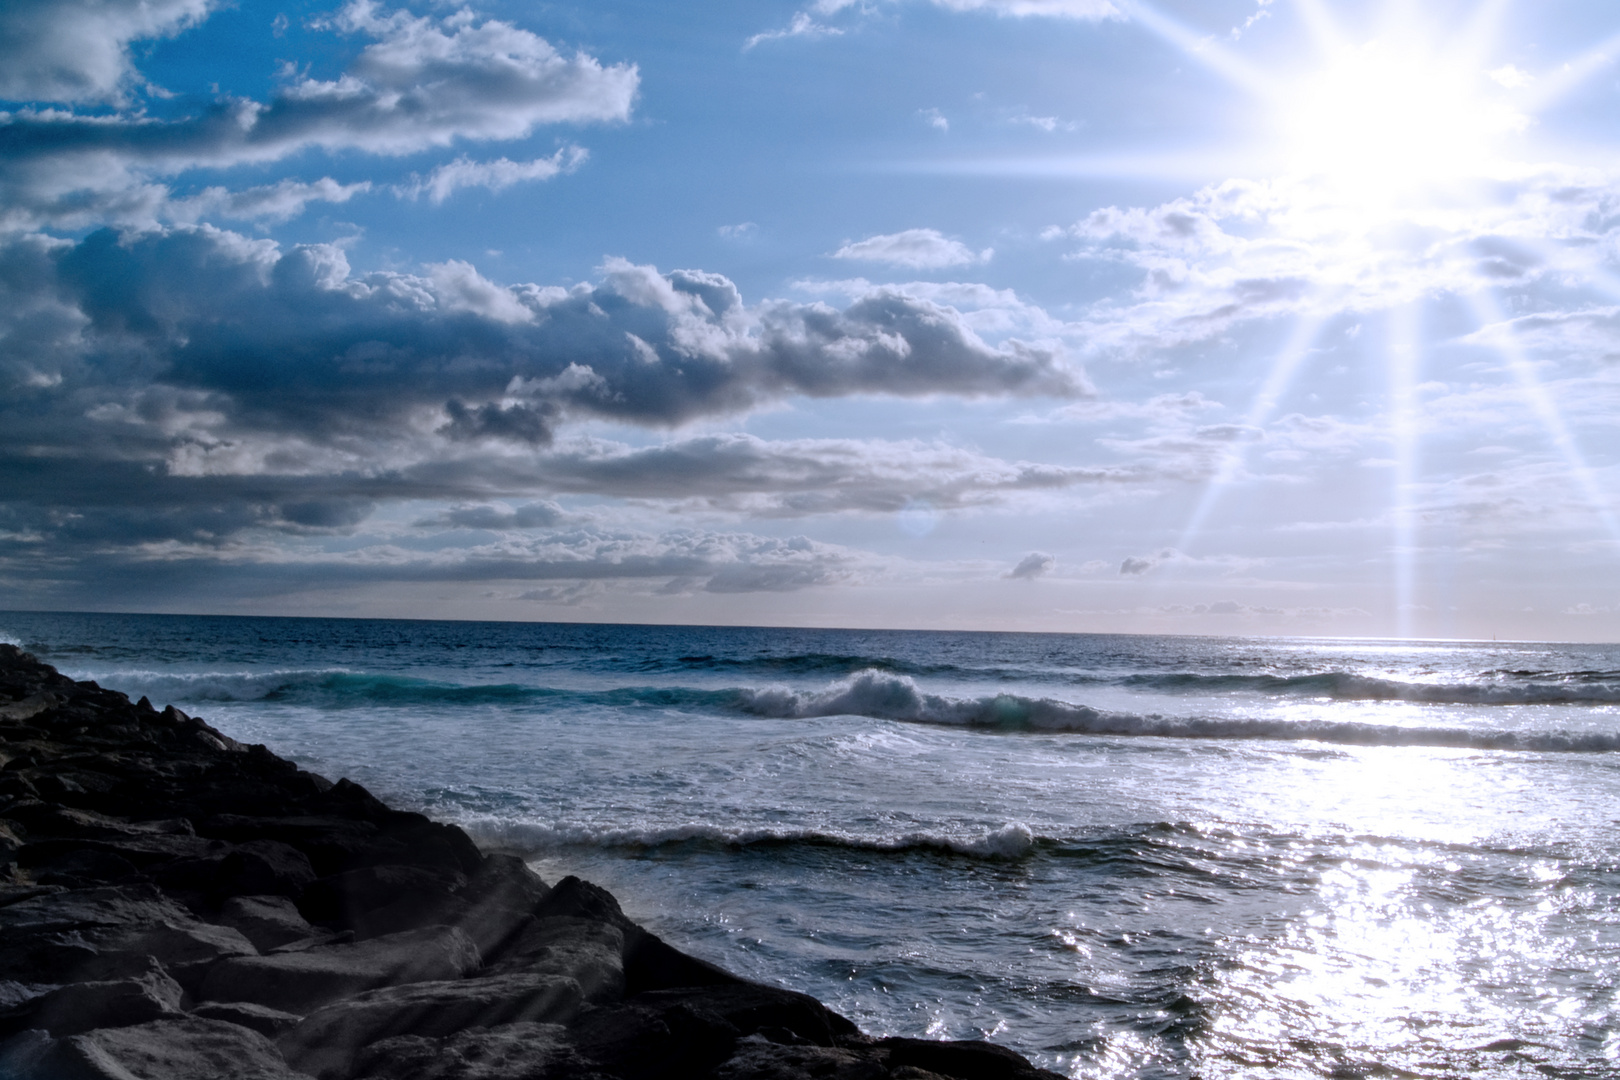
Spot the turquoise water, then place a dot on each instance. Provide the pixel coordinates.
(1124, 856)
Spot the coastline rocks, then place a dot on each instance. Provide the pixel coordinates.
(175, 905)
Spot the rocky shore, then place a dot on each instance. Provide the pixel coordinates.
(177, 906)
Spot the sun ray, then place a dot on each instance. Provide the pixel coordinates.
(1403, 421)
(1321, 25)
(1283, 369)
(1546, 410)
(1204, 49)
(1573, 73)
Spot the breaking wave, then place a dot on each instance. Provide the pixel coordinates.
(1011, 841)
(897, 697)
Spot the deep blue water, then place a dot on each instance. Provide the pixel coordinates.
(1124, 856)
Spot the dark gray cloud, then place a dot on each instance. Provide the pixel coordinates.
(197, 333)
(189, 394)
(421, 82)
(1031, 566)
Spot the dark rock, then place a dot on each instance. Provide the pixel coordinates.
(589, 952)
(149, 862)
(758, 1058)
(183, 1049)
(962, 1060)
(266, 921)
(300, 982)
(326, 1042)
(508, 1052)
(79, 1007)
(384, 899)
(266, 1021)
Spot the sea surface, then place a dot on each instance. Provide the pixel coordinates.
(1126, 857)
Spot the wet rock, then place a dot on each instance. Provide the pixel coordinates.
(962, 1060)
(327, 1041)
(300, 982)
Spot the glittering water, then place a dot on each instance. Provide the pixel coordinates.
(1124, 856)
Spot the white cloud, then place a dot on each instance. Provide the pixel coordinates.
(272, 202)
(495, 175)
(1055, 9)
(78, 50)
(802, 25)
(745, 230)
(935, 119)
(421, 83)
(914, 249)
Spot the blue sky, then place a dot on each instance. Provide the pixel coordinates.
(1280, 317)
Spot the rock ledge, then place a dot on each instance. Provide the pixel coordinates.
(177, 906)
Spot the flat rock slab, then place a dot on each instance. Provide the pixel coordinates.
(327, 1041)
(508, 1052)
(267, 921)
(185, 1049)
(300, 982)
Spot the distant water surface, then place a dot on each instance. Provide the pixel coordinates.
(1124, 856)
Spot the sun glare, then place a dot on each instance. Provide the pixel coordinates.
(1384, 119)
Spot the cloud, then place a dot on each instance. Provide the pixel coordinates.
(914, 249)
(935, 119)
(421, 83)
(290, 341)
(500, 517)
(78, 50)
(745, 230)
(1242, 251)
(496, 175)
(280, 201)
(801, 477)
(194, 386)
(1031, 566)
(564, 566)
(801, 25)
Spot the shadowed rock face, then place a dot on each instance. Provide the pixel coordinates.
(177, 906)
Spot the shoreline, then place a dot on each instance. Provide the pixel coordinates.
(174, 904)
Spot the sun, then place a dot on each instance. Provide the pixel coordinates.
(1391, 118)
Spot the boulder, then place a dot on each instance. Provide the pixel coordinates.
(325, 1043)
(300, 982)
(267, 1022)
(589, 952)
(266, 921)
(182, 1049)
(507, 1052)
(79, 1007)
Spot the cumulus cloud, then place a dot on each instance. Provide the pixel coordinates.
(913, 249)
(78, 50)
(1031, 566)
(291, 341)
(497, 175)
(192, 386)
(420, 83)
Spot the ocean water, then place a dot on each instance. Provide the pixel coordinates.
(1126, 857)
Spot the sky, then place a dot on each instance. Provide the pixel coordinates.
(1217, 317)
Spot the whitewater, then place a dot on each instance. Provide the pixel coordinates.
(1124, 856)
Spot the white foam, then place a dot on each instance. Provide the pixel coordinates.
(883, 696)
(1010, 841)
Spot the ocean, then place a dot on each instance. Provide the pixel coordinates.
(1125, 857)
